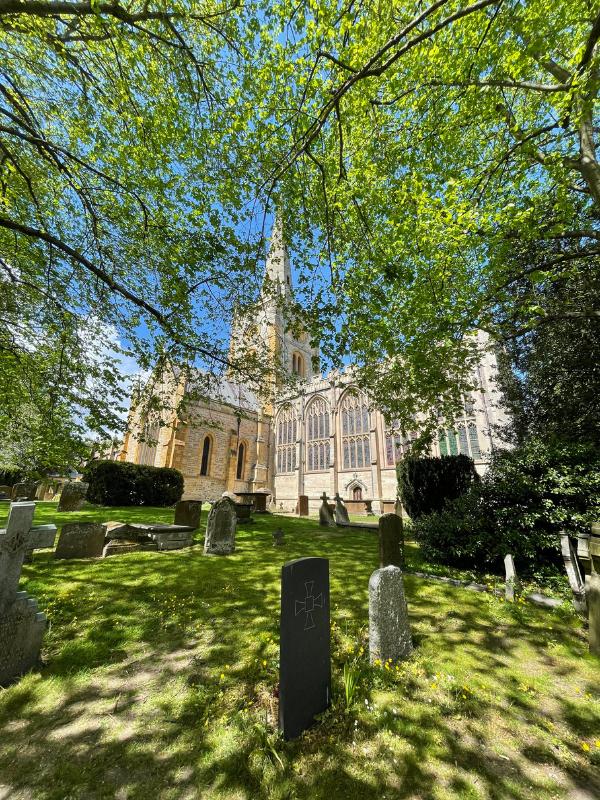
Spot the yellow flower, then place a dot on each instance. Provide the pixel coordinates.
(585, 746)
(597, 742)
(264, 663)
(464, 696)
(222, 677)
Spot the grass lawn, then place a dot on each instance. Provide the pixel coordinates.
(160, 671)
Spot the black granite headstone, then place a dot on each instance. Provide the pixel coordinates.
(304, 657)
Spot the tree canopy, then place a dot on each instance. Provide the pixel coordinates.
(427, 159)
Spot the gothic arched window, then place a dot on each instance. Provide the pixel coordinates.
(354, 415)
(317, 435)
(205, 460)
(241, 458)
(286, 440)
(357, 493)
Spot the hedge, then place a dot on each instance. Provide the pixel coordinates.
(526, 497)
(119, 483)
(426, 484)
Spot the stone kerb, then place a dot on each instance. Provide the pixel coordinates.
(389, 628)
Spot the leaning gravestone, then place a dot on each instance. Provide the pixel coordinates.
(80, 540)
(325, 516)
(593, 590)
(576, 580)
(25, 491)
(341, 512)
(220, 528)
(22, 626)
(390, 540)
(38, 538)
(72, 497)
(304, 654)
(389, 629)
(187, 512)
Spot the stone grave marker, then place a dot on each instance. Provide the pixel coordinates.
(80, 540)
(187, 512)
(576, 580)
(389, 628)
(22, 626)
(25, 491)
(325, 516)
(72, 497)
(512, 585)
(220, 528)
(38, 538)
(303, 505)
(278, 537)
(391, 540)
(304, 650)
(341, 512)
(593, 591)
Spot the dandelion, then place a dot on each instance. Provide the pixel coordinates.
(264, 663)
(585, 747)
(222, 677)
(597, 742)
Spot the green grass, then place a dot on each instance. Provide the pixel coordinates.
(161, 668)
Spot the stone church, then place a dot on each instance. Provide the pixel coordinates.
(317, 434)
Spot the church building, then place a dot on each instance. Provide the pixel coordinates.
(317, 434)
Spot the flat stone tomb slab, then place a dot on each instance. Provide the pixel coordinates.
(305, 666)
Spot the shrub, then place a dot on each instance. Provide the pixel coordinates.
(118, 483)
(8, 477)
(523, 501)
(425, 484)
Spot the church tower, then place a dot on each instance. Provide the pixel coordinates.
(268, 329)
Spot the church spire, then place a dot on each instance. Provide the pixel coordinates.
(278, 273)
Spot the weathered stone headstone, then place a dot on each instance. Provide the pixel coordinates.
(38, 538)
(220, 528)
(25, 491)
(187, 512)
(389, 628)
(40, 490)
(304, 655)
(341, 512)
(512, 586)
(303, 505)
(72, 497)
(576, 580)
(278, 537)
(391, 540)
(325, 516)
(22, 626)
(80, 540)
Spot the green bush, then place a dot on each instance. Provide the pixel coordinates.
(426, 484)
(525, 498)
(118, 483)
(8, 477)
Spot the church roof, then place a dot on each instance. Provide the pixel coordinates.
(223, 390)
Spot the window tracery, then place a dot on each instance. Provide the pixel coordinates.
(286, 440)
(317, 435)
(354, 415)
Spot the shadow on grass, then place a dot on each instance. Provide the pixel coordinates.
(161, 668)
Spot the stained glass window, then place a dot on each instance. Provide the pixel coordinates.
(286, 440)
(355, 431)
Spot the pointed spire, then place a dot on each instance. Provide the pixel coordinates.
(277, 268)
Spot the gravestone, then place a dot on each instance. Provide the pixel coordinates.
(304, 650)
(278, 537)
(25, 491)
(341, 513)
(39, 538)
(325, 516)
(80, 540)
(303, 505)
(576, 581)
(391, 540)
(22, 626)
(187, 512)
(593, 591)
(512, 585)
(220, 528)
(389, 628)
(72, 497)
